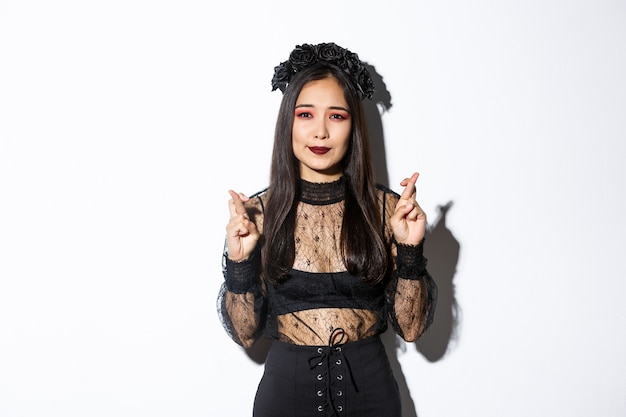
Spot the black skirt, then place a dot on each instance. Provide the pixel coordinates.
(353, 379)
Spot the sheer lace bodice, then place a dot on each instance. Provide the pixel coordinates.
(320, 295)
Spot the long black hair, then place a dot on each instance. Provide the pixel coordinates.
(363, 249)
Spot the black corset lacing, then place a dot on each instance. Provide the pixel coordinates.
(331, 359)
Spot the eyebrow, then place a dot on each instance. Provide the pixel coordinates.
(331, 107)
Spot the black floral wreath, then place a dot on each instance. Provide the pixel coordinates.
(305, 55)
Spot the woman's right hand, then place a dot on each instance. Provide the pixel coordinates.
(241, 233)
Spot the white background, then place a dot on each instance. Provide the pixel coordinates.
(124, 123)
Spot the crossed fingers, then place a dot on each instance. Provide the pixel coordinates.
(409, 193)
(236, 205)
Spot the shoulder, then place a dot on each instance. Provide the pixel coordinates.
(384, 190)
(257, 201)
(386, 195)
(387, 198)
(260, 194)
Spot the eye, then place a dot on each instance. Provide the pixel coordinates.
(339, 116)
(304, 114)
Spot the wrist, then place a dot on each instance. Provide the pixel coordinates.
(410, 260)
(240, 275)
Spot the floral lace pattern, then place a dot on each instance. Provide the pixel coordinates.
(321, 296)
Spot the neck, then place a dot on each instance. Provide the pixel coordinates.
(322, 192)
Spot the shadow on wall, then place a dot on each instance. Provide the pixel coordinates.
(374, 109)
(442, 252)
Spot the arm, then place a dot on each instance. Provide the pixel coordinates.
(241, 301)
(411, 293)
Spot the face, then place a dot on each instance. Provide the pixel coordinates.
(321, 130)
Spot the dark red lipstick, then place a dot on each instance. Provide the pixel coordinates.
(319, 150)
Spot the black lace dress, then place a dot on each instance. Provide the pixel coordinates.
(327, 357)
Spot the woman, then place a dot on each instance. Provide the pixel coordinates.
(324, 258)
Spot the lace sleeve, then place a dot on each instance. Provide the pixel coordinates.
(411, 294)
(241, 304)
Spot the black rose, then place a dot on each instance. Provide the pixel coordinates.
(330, 52)
(282, 75)
(352, 64)
(365, 83)
(303, 56)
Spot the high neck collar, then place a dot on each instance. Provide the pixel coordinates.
(319, 193)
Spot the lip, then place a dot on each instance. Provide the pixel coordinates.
(319, 150)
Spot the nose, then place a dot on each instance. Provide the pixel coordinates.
(322, 131)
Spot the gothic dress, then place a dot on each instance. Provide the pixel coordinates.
(326, 358)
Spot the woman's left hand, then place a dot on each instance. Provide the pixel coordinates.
(408, 220)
